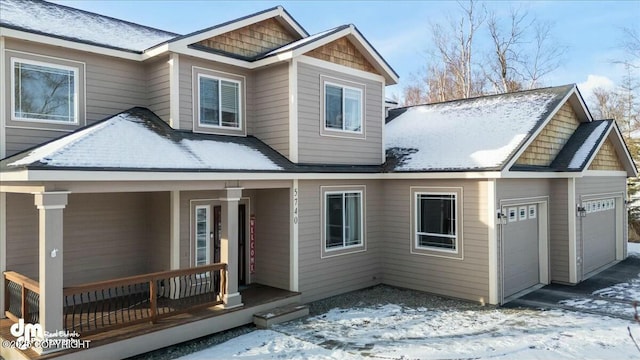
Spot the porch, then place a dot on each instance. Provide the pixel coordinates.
(128, 316)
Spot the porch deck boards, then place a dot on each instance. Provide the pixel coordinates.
(252, 296)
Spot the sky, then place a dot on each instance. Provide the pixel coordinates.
(591, 31)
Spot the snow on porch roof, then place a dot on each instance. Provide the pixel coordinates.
(472, 134)
(138, 140)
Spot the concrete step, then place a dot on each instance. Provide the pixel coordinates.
(266, 319)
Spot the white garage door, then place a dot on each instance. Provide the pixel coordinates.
(520, 249)
(598, 234)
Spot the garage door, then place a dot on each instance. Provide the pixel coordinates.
(598, 234)
(520, 249)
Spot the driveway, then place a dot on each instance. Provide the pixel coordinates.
(611, 292)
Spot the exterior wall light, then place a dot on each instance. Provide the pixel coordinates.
(582, 211)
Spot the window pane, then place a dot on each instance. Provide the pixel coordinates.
(44, 93)
(334, 217)
(352, 110)
(333, 107)
(352, 219)
(230, 103)
(202, 235)
(436, 214)
(209, 111)
(436, 241)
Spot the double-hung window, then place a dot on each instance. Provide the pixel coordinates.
(342, 108)
(44, 92)
(219, 101)
(343, 220)
(435, 221)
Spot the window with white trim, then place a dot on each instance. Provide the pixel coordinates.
(219, 101)
(343, 220)
(44, 92)
(203, 238)
(435, 221)
(342, 108)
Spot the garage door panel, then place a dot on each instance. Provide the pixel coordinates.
(599, 236)
(520, 253)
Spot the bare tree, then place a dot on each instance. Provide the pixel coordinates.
(504, 75)
(545, 57)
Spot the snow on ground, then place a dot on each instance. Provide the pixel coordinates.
(633, 249)
(396, 332)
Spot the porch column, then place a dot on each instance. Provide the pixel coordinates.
(229, 245)
(51, 206)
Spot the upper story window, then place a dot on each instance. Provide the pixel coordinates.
(44, 92)
(219, 101)
(342, 108)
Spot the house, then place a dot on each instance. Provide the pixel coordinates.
(159, 187)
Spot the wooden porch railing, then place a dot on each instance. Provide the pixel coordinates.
(89, 308)
(22, 297)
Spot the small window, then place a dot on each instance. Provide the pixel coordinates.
(219, 102)
(203, 231)
(343, 220)
(436, 226)
(342, 108)
(44, 92)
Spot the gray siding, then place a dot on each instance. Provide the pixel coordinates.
(320, 278)
(559, 229)
(272, 237)
(104, 236)
(521, 188)
(315, 148)
(158, 87)
(112, 85)
(271, 104)
(159, 231)
(467, 278)
(187, 117)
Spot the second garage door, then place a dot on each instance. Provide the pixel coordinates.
(520, 249)
(598, 234)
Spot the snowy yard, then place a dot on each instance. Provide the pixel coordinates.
(391, 331)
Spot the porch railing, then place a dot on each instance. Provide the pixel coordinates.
(89, 308)
(22, 297)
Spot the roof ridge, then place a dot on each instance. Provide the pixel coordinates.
(486, 96)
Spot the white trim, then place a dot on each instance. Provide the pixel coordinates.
(540, 175)
(294, 255)
(3, 132)
(3, 242)
(343, 131)
(53, 41)
(415, 223)
(533, 136)
(573, 249)
(83, 175)
(344, 250)
(240, 113)
(340, 68)
(174, 91)
(382, 130)
(76, 93)
(37, 128)
(174, 228)
(607, 173)
(293, 111)
(208, 229)
(458, 254)
(210, 56)
(492, 212)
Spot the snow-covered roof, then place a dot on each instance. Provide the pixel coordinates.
(473, 134)
(138, 140)
(304, 41)
(78, 25)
